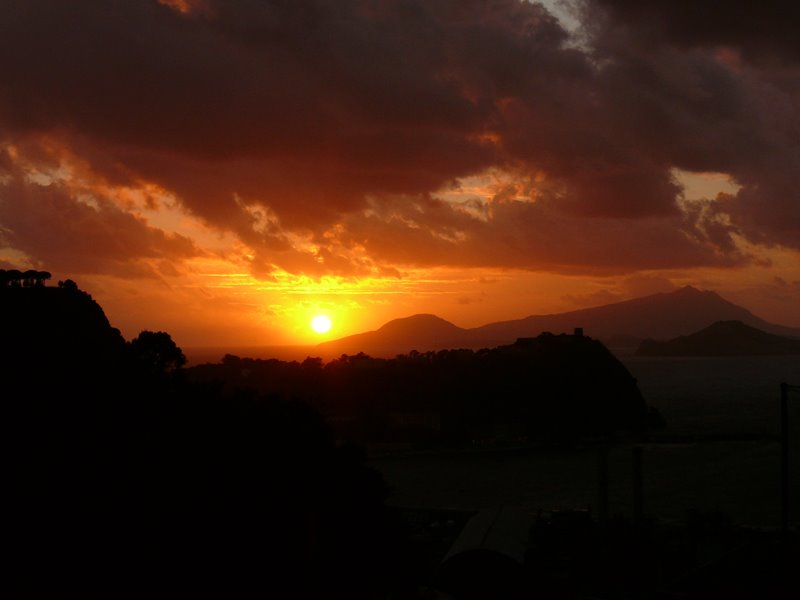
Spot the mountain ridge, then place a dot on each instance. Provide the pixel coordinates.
(661, 316)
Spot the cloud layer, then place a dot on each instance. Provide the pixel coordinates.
(337, 137)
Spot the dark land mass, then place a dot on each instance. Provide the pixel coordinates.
(723, 338)
(554, 387)
(132, 474)
(622, 326)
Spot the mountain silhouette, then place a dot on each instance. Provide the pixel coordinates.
(622, 324)
(723, 338)
(417, 332)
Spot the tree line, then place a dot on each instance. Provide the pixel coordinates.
(29, 278)
(547, 388)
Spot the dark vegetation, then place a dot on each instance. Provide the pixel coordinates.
(723, 338)
(17, 278)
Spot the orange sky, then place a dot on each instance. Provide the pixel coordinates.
(226, 171)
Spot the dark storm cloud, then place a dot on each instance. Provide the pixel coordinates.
(315, 113)
(763, 29)
(714, 86)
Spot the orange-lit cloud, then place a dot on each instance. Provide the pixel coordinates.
(55, 217)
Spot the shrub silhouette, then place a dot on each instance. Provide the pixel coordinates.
(156, 352)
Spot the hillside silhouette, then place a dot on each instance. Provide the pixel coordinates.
(56, 326)
(723, 338)
(622, 324)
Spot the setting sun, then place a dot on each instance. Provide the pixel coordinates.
(321, 324)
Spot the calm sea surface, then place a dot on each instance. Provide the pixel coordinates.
(716, 394)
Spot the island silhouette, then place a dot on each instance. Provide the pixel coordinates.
(723, 338)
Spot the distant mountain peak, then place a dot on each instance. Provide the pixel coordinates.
(690, 290)
(732, 325)
(417, 332)
(421, 319)
(422, 325)
(687, 290)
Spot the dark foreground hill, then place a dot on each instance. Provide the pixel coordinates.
(723, 338)
(60, 327)
(659, 316)
(125, 478)
(552, 387)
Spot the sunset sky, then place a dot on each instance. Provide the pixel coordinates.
(226, 170)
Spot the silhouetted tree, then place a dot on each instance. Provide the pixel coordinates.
(42, 276)
(29, 278)
(68, 285)
(156, 352)
(312, 363)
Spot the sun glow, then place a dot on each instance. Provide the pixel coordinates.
(321, 324)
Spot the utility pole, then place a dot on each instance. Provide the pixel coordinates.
(602, 484)
(638, 485)
(785, 389)
(784, 457)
